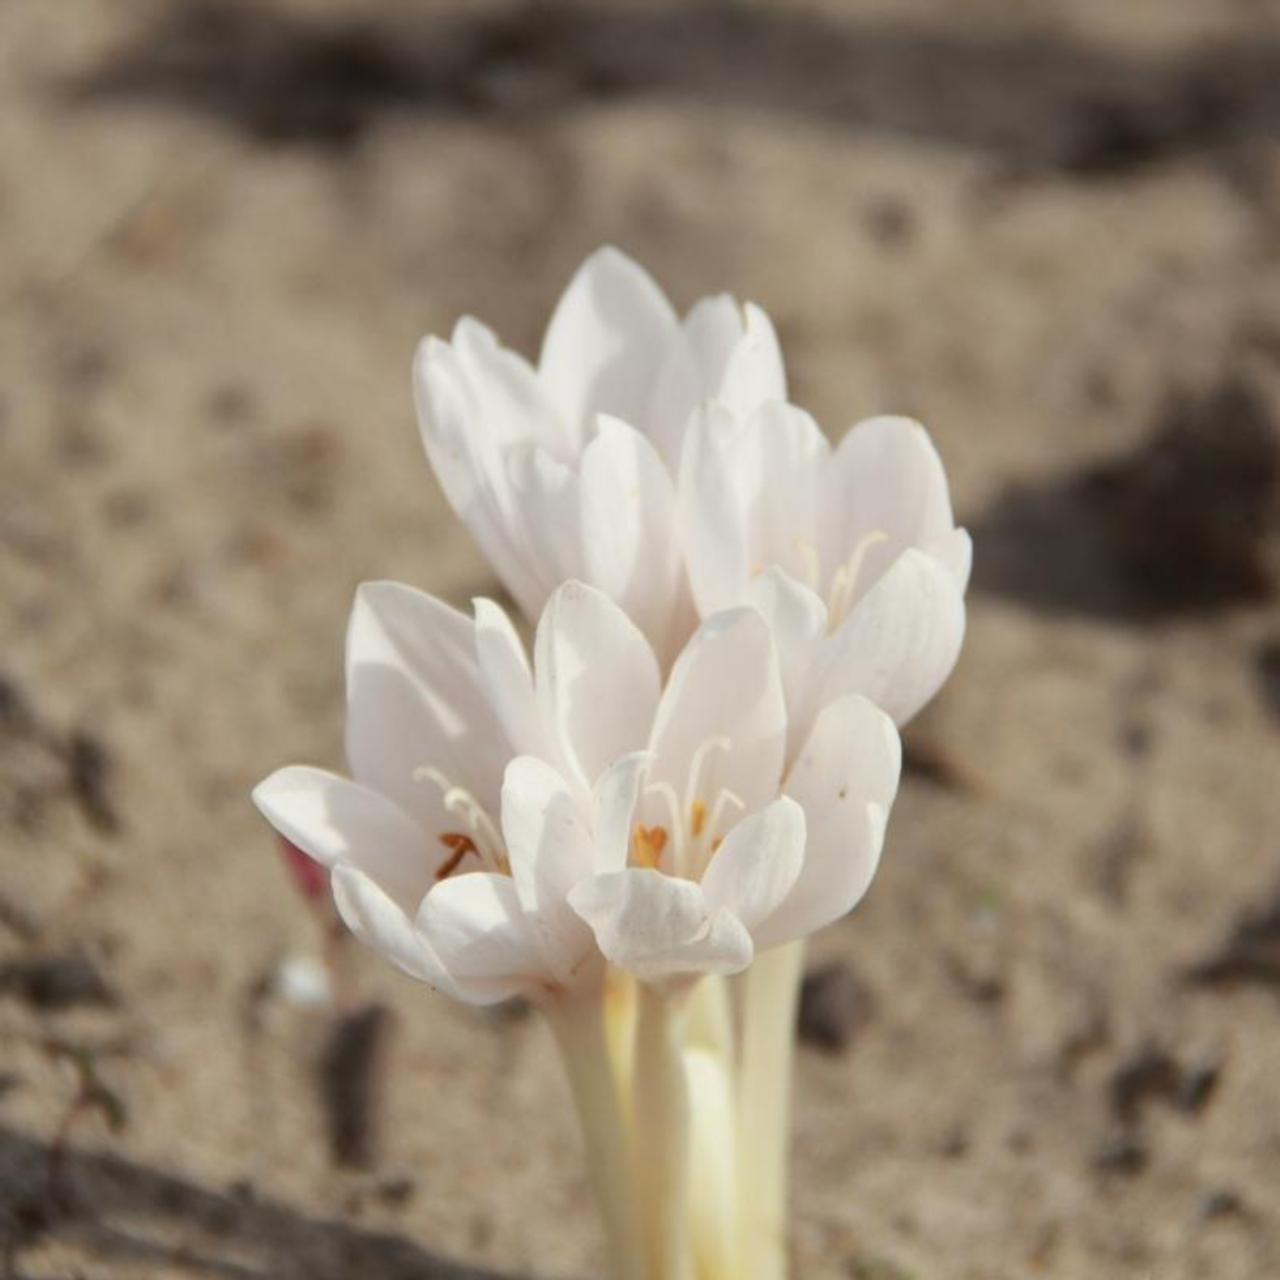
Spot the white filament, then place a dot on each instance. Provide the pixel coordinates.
(845, 580)
(480, 827)
(694, 826)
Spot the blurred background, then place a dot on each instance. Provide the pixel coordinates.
(1049, 1042)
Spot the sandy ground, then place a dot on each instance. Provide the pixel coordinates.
(1042, 231)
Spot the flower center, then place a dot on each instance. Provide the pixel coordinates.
(480, 838)
(695, 822)
(844, 582)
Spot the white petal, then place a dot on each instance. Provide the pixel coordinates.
(725, 685)
(751, 498)
(725, 352)
(416, 697)
(785, 461)
(470, 462)
(512, 404)
(508, 679)
(606, 341)
(614, 808)
(900, 641)
(658, 927)
(550, 847)
(754, 372)
(956, 552)
(383, 924)
(758, 864)
(546, 491)
(597, 681)
(845, 779)
(714, 503)
(631, 549)
(798, 620)
(887, 478)
(477, 927)
(693, 371)
(335, 820)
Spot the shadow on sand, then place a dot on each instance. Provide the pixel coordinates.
(129, 1215)
(1031, 101)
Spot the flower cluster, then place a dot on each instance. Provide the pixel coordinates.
(693, 770)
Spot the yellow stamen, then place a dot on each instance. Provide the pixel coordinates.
(649, 844)
(697, 818)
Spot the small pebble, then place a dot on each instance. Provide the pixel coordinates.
(352, 1082)
(1268, 672)
(303, 982)
(1150, 1073)
(1123, 1153)
(57, 982)
(89, 772)
(397, 1191)
(1198, 1086)
(1221, 1202)
(834, 1007)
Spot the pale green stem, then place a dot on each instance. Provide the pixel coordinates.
(710, 1072)
(708, 1018)
(713, 1166)
(770, 992)
(579, 1027)
(661, 1137)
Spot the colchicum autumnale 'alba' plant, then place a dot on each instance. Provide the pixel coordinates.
(637, 830)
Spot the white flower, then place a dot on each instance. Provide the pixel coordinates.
(451, 851)
(705, 886)
(852, 553)
(486, 793)
(566, 471)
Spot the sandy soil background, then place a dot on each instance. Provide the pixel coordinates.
(1050, 230)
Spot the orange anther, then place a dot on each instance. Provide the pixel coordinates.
(649, 844)
(697, 818)
(459, 845)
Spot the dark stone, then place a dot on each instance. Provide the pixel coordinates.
(1251, 953)
(352, 1082)
(1268, 669)
(57, 982)
(397, 1191)
(1124, 1153)
(89, 773)
(231, 404)
(930, 761)
(1150, 1073)
(16, 715)
(1219, 1203)
(1113, 135)
(891, 222)
(1198, 1087)
(834, 1007)
(1136, 738)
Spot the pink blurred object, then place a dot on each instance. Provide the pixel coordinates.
(310, 877)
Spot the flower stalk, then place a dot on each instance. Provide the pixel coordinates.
(770, 992)
(662, 1137)
(579, 1027)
